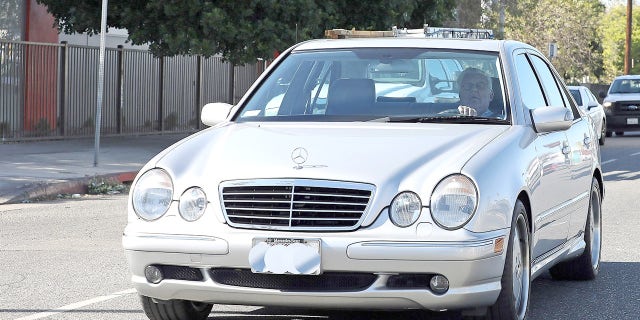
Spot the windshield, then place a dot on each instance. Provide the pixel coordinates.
(370, 84)
(625, 86)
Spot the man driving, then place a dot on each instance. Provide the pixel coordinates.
(475, 93)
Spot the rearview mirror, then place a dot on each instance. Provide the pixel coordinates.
(214, 113)
(549, 119)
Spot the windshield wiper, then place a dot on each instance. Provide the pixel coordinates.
(455, 119)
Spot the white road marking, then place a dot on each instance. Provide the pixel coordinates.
(77, 305)
(635, 154)
(608, 161)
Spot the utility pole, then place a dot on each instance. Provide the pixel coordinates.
(98, 122)
(627, 45)
(501, 22)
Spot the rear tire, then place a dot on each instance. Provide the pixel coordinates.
(175, 309)
(587, 265)
(513, 301)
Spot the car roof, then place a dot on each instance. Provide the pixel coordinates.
(459, 44)
(629, 76)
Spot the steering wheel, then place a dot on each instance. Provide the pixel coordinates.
(450, 112)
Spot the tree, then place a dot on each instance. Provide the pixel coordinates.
(239, 30)
(10, 19)
(570, 24)
(468, 14)
(612, 31)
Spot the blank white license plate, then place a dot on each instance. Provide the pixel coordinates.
(632, 120)
(285, 256)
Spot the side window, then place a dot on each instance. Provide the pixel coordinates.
(530, 91)
(592, 98)
(554, 96)
(576, 96)
(435, 69)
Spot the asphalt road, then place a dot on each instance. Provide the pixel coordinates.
(64, 260)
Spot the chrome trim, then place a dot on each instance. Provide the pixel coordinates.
(571, 248)
(549, 213)
(178, 243)
(179, 237)
(424, 251)
(293, 183)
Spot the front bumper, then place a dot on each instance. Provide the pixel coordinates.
(472, 267)
(622, 115)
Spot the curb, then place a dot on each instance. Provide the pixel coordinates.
(49, 189)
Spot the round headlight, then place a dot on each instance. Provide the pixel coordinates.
(454, 201)
(152, 194)
(192, 204)
(405, 209)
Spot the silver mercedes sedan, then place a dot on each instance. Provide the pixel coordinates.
(354, 174)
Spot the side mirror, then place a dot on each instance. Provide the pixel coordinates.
(592, 105)
(214, 113)
(549, 119)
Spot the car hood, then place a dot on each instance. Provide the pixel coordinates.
(623, 97)
(396, 156)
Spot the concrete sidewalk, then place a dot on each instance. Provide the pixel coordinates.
(30, 170)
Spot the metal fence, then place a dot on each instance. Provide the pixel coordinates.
(50, 90)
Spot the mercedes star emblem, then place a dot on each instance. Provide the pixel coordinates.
(299, 156)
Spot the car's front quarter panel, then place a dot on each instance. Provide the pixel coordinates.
(502, 170)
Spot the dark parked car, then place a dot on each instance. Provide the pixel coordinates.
(622, 105)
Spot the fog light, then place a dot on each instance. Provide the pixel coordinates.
(153, 274)
(439, 284)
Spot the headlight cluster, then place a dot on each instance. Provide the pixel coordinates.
(454, 201)
(192, 204)
(405, 209)
(153, 194)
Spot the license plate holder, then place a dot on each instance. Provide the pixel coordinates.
(632, 121)
(286, 256)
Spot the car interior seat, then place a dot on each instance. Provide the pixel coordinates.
(351, 97)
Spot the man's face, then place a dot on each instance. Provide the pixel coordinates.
(475, 92)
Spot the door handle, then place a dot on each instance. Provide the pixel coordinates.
(565, 148)
(587, 140)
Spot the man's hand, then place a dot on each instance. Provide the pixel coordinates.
(467, 111)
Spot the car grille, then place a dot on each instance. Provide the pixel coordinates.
(333, 281)
(628, 107)
(296, 204)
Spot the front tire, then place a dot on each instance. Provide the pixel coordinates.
(620, 133)
(175, 309)
(513, 301)
(603, 133)
(587, 265)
